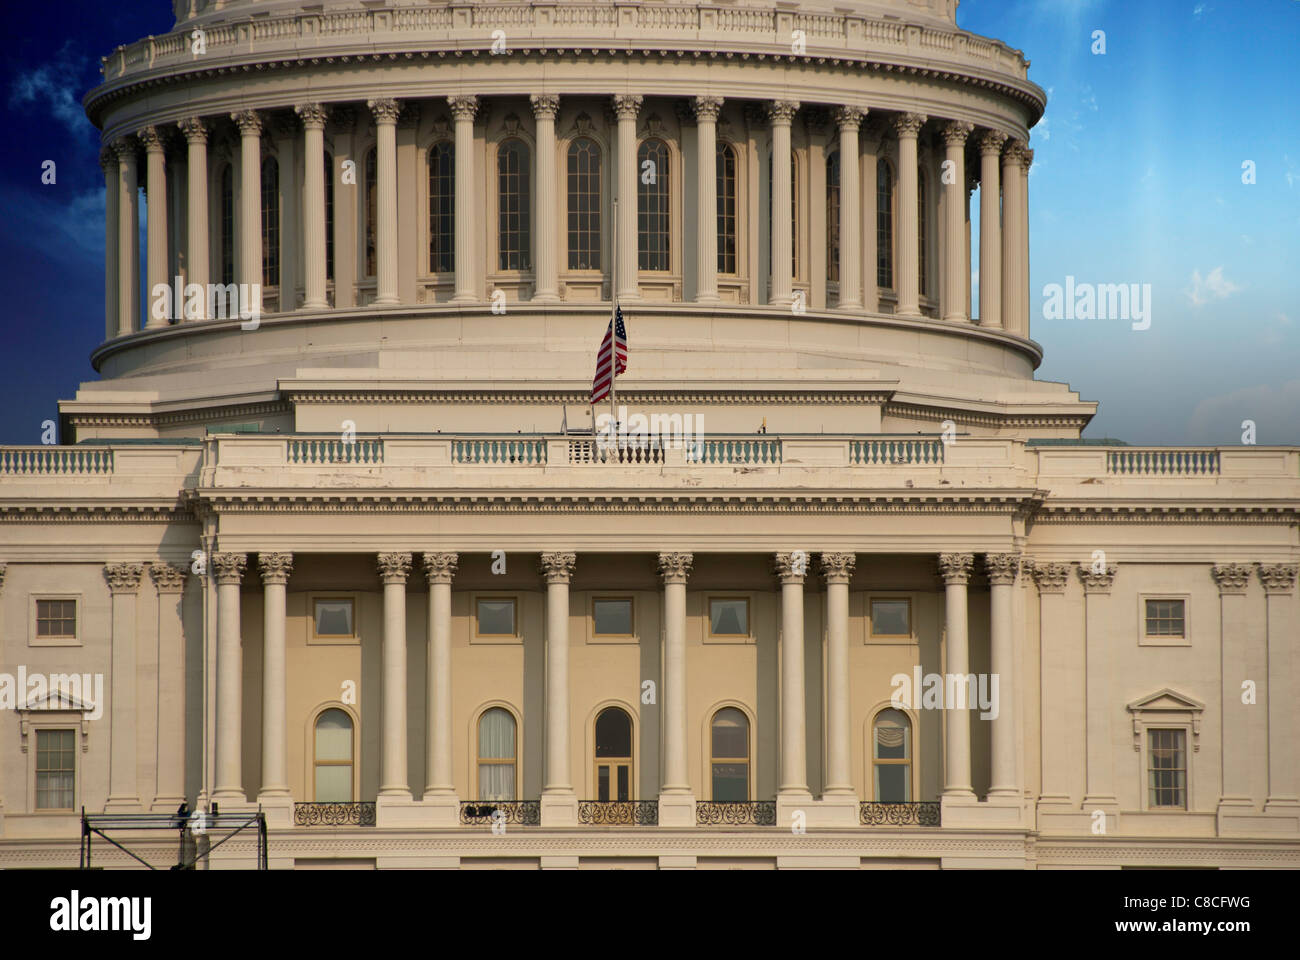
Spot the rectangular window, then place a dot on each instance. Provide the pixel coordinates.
(334, 618)
(56, 619)
(611, 617)
(1166, 618)
(496, 617)
(728, 617)
(55, 769)
(891, 617)
(1167, 769)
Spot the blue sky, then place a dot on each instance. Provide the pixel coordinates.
(1137, 179)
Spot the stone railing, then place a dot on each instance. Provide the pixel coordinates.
(883, 452)
(1163, 463)
(316, 450)
(469, 26)
(48, 460)
(490, 450)
(1113, 464)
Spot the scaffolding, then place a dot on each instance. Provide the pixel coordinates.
(195, 830)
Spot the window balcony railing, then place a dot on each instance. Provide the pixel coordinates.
(900, 814)
(523, 813)
(361, 814)
(640, 813)
(738, 813)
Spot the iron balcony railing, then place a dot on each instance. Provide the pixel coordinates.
(735, 813)
(359, 814)
(640, 813)
(900, 814)
(524, 813)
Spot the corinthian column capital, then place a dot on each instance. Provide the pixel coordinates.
(313, 115)
(108, 160)
(955, 568)
(849, 118)
(791, 567)
(1013, 153)
(545, 105)
(153, 139)
(248, 121)
(1097, 581)
(838, 567)
(194, 129)
(909, 124)
(1026, 159)
(394, 567)
(126, 148)
(991, 141)
(675, 567)
(1278, 577)
(276, 567)
(123, 577)
(627, 106)
(167, 578)
(229, 567)
(1002, 568)
(782, 111)
(440, 567)
(956, 132)
(463, 107)
(385, 110)
(558, 567)
(1050, 577)
(707, 108)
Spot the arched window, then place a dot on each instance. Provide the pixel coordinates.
(228, 224)
(726, 208)
(442, 207)
(514, 228)
(584, 205)
(271, 226)
(652, 211)
(794, 209)
(920, 229)
(372, 167)
(729, 751)
(891, 757)
(613, 755)
(884, 225)
(497, 772)
(333, 760)
(329, 216)
(833, 217)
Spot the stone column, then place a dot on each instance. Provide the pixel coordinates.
(274, 795)
(907, 271)
(545, 107)
(869, 141)
(123, 773)
(676, 800)
(108, 162)
(229, 571)
(313, 205)
(128, 237)
(955, 569)
(781, 291)
(791, 569)
(1099, 789)
(169, 788)
(1234, 647)
(626, 108)
(1283, 756)
(706, 186)
(347, 208)
(1002, 569)
(849, 120)
(1012, 223)
(1058, 677)
(837, 568)
(1026, 161)
(393, 570)
(463, 110)
(440, 790)
(990, 147)
(955, 274)
(196, 212)
(250, 205)
(385, 113)
(155, 154)
(559, 803)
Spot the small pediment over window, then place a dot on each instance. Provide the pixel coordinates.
(1166, 707)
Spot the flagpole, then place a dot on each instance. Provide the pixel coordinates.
(613, 313)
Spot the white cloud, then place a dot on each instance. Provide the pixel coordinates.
(1276, 329)
(56, 86)
(1213, 286)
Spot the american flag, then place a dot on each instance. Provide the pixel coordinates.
(612, 359)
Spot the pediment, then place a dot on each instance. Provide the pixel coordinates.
(1166, 701)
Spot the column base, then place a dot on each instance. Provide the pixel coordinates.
(463, 298)
(1240, 817)
(794, 806)
(545, 298)
(559, 808)
(386, 302)
(398, 810)
(229, 797)
(441, 809)
(123, 805)
(278, 808)
(1107, 822)
(676, 809)
(166, 804)
(712, 298)
(836, 810)
(1003, 812)
(310, 305)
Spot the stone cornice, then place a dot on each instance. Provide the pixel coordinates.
(164, 417)
(1177, 509)
(63, 511)
(350, 394)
